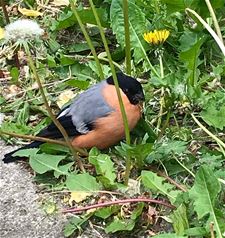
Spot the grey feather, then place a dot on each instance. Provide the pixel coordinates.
(87, 107)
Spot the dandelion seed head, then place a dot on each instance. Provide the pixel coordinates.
(22, 29)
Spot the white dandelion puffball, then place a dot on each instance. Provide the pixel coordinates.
(22, 29)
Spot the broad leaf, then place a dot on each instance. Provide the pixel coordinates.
(82, 182)
(41, 163)
(158, 184)
(180, 220)
(169, 235)
(68, 19)
(26, 152)
(214, 110)
(104, 168)
(214, 116)
(196, 232)
(189, 54)
(74, 224)
(106, 212)
(120, 225)
(204, 194)
(63, 169)
(137, 24)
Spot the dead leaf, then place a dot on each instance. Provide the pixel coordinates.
(61, 2)
(11, 91)
(151, 215)
(65, 97)
(29, 12)
(2, 33)
(133, 187)
(78, 197)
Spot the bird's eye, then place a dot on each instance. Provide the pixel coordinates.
(126, 90)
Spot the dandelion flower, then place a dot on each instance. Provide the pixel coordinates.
(156, 37)
(22, 29)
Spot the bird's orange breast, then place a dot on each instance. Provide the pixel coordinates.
(110, 129)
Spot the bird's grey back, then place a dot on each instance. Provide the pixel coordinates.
(87, 107)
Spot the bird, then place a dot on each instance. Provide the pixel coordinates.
(94, 118)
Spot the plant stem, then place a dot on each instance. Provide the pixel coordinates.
(122, 109)
(93, 51)
(5, 11)
(124, 201)
(183, 166)
(211, 227)
(209, 29)
(208, 132)
(43, 139)
(161, 65)
(162, 92)
(127, 36)
(55, 121)
(216, 24)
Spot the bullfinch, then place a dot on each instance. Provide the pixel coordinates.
(94, 117)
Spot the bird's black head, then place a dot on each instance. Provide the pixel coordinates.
(130, 86)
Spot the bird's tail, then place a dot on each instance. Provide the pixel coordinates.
(8, 158)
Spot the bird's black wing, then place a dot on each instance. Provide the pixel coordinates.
(78, 118)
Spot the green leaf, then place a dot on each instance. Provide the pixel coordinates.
(214, 115)
(104, 167)
(190, 50)
(213, 109)
(79, 47)
(26, 152)
(137, 24)
(158, 184)
(175, 5)
(51, 61)
(82, 84)
(23, 115)
(63, 169)
(137, 211)
(106, 212)
(74, 224)
(66, 20)
(120, 225)
(196, 231)
(82, 182)
(204, 194)
(66, 60)
(41, 163)
(53, 148)
(16, 128)
(14, 73)
(2, 100)
(180, 220)
(169, 235)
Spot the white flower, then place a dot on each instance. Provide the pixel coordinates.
(22, 29)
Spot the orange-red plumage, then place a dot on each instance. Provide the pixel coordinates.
(110, 129)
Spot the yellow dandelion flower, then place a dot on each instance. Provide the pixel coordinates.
(156, 37)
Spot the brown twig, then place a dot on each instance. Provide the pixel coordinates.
(182, 188)
(106, 204)
(43, 139)
(5, 11)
